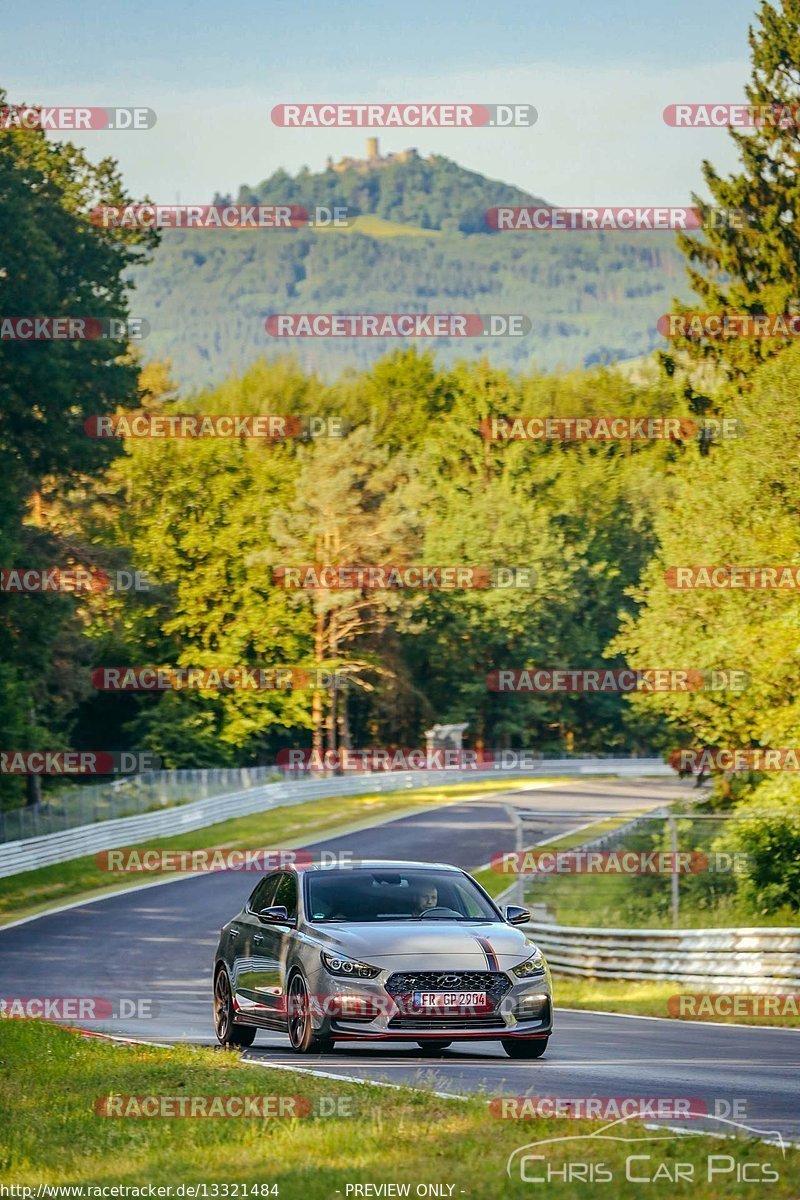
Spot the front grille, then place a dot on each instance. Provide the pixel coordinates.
(495, 1021)
(494, 983)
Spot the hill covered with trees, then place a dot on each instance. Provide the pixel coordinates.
(419, 243)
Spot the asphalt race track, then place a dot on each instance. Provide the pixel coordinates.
(157, 943)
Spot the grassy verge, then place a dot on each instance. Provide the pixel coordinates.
(621, 902)
(293, 825)
(53, 1135)
(496, 882)
(651, 999)
(624, 901)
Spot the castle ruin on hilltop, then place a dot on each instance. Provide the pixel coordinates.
(374, 159)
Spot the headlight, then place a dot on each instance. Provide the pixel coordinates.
(335, 964)
(531, 966)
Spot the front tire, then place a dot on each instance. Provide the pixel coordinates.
(299, 1027)
(433, 1047)
(525, 1047)
(227, 1031)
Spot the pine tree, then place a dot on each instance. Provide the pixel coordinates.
(748, 257)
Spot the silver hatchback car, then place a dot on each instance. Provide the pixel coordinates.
(380, 950)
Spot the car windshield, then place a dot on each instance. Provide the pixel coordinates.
(395, 895)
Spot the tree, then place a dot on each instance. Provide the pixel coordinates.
(738, 506)
(195, 517)
(55, 263)
(355, 505)
(751, 262)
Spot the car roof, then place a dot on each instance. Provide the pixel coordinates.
(394, 864)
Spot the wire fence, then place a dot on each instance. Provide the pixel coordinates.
(649, 870)
(135, 795)
(128, 797)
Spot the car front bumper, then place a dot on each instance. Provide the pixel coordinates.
(367, 1009)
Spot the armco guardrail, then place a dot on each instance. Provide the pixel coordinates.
(27, 855)
(127, 796)
(734, 959)
(30, 853)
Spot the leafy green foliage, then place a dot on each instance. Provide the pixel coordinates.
(54, 263)
(752, 264)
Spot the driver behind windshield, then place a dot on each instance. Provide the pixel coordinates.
(426, 896)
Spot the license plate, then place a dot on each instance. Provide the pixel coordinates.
(450, 1000)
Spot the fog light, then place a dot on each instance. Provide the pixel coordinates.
(534, 1004)
(352, 1006)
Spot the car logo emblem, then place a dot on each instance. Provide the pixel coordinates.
(449, 980)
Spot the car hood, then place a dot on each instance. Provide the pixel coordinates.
(429, 945)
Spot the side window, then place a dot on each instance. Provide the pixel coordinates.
(263, 893)
(286, 894)
(465, 901)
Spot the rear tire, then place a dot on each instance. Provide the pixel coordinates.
(433, 1047)
(227, 1031)
(525, 1047)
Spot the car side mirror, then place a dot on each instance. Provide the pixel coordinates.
(516, 915)
(276, 913)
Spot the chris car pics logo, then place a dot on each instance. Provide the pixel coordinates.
(579, 1158)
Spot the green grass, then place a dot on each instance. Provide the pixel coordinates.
(647, 999)
(293, 825)
(496, 882)
(51, 1133)
(619, 902)
(614, 901)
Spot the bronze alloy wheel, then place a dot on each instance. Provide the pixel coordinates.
(301, 1032)
(227, 1031)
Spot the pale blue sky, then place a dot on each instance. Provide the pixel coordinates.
(599, 71)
